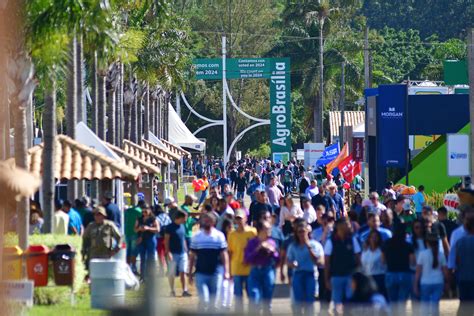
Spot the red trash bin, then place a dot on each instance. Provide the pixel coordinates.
(37, 264)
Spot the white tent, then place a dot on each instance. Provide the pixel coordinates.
(179, 134)
(86, 136)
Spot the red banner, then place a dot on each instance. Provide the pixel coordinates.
(349, 168)
(358, 149)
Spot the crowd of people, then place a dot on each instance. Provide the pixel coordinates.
(376, 253)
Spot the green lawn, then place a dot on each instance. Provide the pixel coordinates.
(82, 307)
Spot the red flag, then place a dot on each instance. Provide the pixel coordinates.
(349, 168)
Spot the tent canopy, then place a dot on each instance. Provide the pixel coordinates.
(179, 134)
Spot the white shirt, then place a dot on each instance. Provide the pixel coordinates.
(379, 208)
(60, 223)
(310, 215)
(372, 262)
(428, 274)
(328, 246)
(310, 192)
(457, 234)
(286, 214)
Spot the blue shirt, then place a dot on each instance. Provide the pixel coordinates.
(300, 254)
(74, 221)
(418, 199)
(338, 203)
(113, 214)
(222, 182)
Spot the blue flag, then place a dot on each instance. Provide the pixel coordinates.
(330, 153)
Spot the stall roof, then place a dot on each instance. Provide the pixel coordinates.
(351, 118)
(175, 148)
(144, 154)
(135, 162)
(74, 160)
(149, 145)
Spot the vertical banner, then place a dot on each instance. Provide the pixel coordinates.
(459, 158)
(280, 109)
(392, 136)
(358, 149)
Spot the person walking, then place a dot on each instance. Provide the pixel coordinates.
(113, 212)
(288, 213)
(176, 252)
(208, 261)
(430, 276)
(241, 186)
(342, 256)
(399, 255)
(60, 221)
(464, 250)
(372, 262)
(101, 239)
(262, 255)
(163, 220)
(147, 227)
(75, 222)
(303, 255)
(130, 218)
(239, 269)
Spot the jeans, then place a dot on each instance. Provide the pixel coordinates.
(147, 249)
(203, 196)
(430, 295)
(303, 285)
(341, 288)
(207, 286)
(131, 242)
(261, 283)
(240, 196)
(287, 187)
(324, 293)
(380, 281)
(466, 297)
(398, 285)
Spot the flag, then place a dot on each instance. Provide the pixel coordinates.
(349, 168)
(330, 153)
(342, 155)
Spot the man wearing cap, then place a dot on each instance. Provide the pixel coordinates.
(112, 210)
(101, 238)
(170, 203)
(239, 270)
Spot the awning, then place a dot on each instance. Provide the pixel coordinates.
(74, 160)
(179, 134)
(156, 149)
(175, 148)
(135, 162)
(351, 118)
(144, 154)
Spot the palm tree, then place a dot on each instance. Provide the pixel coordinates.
(113, 75)
(71, 108)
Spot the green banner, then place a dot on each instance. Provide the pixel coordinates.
(275, 69)
(280, 109)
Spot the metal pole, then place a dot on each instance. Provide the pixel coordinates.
(224, 101)
(470, 52)
(342, 105)
(367, 86)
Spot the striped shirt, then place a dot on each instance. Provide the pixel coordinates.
(208, 248)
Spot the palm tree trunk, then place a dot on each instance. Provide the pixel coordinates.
(101, 105)
(146, 120)
(152, 112)
(48, 154)
(71, 111)
(81, 102)
(166, 118)
(111, 117)
(318, 116)
(140, 119)
(121, 121)
(94, 93)
(134, 116)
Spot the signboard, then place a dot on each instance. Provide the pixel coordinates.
(281, 157)
(312, 153)
(280, 106)
(275, 69)
(358, 149)
(459, 160)
(208, 68)
(392, 126)
(300, 154)
(18, 291)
